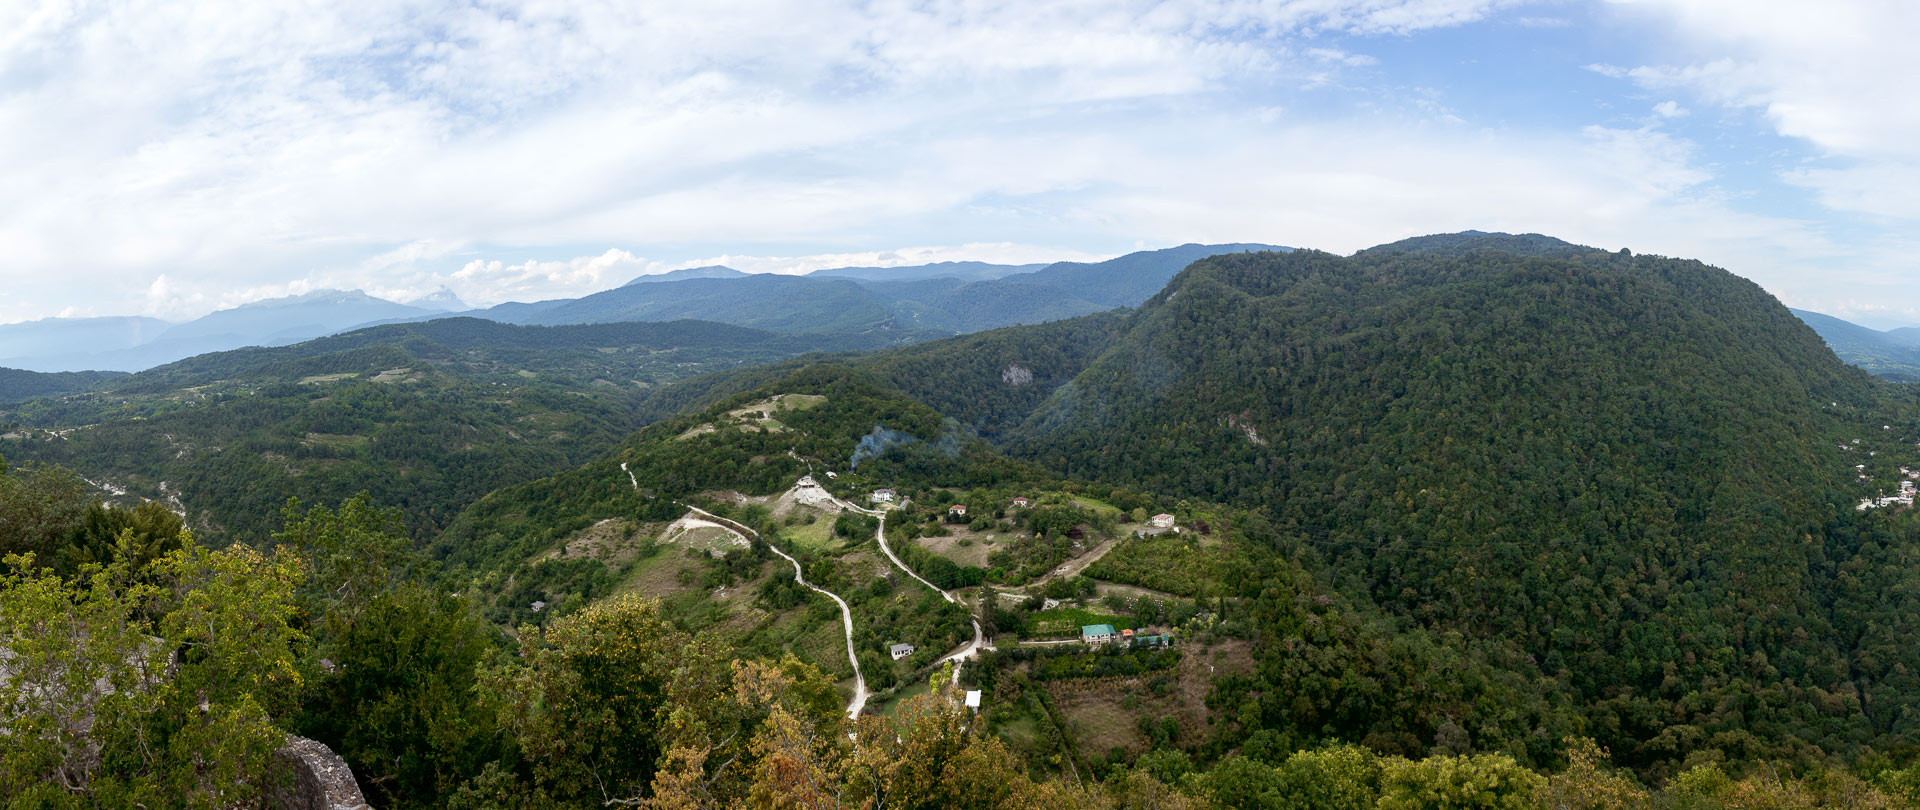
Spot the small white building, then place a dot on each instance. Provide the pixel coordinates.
(899, 651)
(1020, 503)
(1161, 521)
(973, 700)
(538, 606)
(883, 496)
(831, 474)
(957, 510)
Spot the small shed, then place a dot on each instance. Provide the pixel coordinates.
(973, 699)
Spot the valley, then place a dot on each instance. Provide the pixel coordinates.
(1473, 498)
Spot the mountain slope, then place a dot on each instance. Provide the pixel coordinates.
(36, 345)
(1888, 355)
(964, 271)
(1626, 465)
(17, 385)
(1127, 280)
(790, 304)
(710, 271)
(272, 322)
(427, 416)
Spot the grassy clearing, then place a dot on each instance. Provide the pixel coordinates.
(1096, 505)
(815, 537)
(1101, 724)
(891, 708)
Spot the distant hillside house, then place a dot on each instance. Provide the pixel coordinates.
(899, 651)
(1161, 521)
(1020, 503)
(883, 496)
(957, 510)
(1096, 633)
(806, 481)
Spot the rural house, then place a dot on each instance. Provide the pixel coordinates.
(1096, 633)
(899, 651)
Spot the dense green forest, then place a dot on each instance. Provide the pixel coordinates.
(1626, 470)
(1463, 521)
(17, 385)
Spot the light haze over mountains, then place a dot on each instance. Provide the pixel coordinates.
(913, 302)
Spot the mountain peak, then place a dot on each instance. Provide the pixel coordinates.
(442, 299)
(709, 271)
(1525, 244)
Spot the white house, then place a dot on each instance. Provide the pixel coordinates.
(899, 651)
(883, 496)
(957, 510)
(973, 700)
(1161, 521)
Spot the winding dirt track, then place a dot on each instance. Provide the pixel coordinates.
(846, 613)
(966, 651)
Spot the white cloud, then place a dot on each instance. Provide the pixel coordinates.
(1835, 74)
(219, 143)
(171, 158)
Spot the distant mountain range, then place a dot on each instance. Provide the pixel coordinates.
(905, 304)
(134, 344)
(1893, 354)
(933, 300)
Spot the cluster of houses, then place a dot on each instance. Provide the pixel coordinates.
(1095, 635)
(1903, 498)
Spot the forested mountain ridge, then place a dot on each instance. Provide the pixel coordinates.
(18, 384)
(1629, 466)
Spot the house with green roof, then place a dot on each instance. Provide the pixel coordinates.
(1097, 633)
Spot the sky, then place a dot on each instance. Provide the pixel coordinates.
(167, 159)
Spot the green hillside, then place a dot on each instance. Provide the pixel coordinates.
(427, 417)
(17, 385)
(1627, 467)
(1887, 355)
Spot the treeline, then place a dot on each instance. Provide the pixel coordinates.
(1622, 465)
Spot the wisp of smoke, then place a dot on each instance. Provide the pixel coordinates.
(875, 443)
